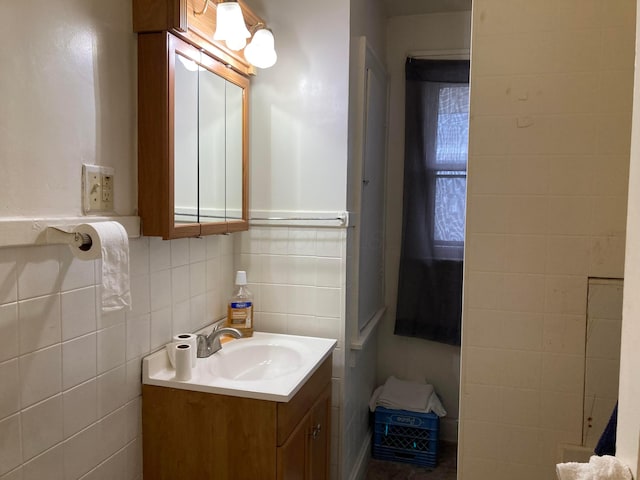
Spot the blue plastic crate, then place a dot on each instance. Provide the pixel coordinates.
(403, 436)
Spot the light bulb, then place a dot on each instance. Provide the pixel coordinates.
(261, 51)
(236, 43)
(230, 22)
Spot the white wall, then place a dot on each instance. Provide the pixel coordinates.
(627, 447)
(551, 86)
(68, 94)
(410, 358)
(299, 109)
(69, 403)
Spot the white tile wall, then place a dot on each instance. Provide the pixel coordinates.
(70, 396)
(547, 184)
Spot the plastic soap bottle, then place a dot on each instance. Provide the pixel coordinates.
(240, 309)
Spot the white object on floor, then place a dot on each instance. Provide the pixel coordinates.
(404, 395)
(598, 468)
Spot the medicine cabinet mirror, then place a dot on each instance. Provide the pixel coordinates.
(192, 158)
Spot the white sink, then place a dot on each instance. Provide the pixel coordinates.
(262, 359)
(266, 366)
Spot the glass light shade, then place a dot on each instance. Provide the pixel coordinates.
(236, 43)
(230, 23)
(261, 51)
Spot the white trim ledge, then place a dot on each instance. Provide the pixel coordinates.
(31, 231)
(283, 218)
(365, 333)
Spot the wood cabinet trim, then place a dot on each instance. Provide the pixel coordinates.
(159, 15)
(153, 133)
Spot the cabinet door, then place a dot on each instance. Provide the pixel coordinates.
(192, 140)
(211, 139)
(292, 456)
(305, 454)
(318, 453)
(185, 135)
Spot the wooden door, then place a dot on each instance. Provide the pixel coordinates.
(318, 453)
(292, 455)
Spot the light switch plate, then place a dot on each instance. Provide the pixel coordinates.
(97, 189)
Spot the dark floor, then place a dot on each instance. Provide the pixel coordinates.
(445, 470)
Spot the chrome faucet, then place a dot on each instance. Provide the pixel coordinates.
(208, 345)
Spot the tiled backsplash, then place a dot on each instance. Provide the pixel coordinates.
(70, 376)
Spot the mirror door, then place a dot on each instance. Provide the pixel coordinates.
(209, 142)
(223, 129)
(234, 95)
(211, 128)
(185, 143)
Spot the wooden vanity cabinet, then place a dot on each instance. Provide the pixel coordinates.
(189, 434)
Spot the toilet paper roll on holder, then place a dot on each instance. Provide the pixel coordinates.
(79, 240)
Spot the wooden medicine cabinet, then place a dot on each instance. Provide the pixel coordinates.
(192, 123)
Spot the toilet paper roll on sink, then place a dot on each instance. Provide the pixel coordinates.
(188, 338)
(192, 340)
(182, 361)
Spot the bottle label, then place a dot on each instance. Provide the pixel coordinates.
(240, 314)
(240, 304)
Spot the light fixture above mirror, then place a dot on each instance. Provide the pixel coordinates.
(232, 29)
(230, 26)
(261, 51)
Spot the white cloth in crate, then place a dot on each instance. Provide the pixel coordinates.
(404, 395)
(598, 468)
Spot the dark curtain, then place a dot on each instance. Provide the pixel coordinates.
(430, 278)
(607, 442)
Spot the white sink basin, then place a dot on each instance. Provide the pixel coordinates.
(262, 359)
(266, 366)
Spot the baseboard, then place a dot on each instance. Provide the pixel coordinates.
(359, 470)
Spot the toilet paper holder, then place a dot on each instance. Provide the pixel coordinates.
(79, 240)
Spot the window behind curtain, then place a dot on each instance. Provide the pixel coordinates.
(436, 138)
(450, 171)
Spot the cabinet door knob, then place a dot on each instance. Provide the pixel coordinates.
(316, 431)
